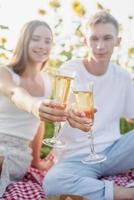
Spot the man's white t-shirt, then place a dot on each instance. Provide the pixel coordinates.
(113, 98)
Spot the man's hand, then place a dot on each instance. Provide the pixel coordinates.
(79, 120)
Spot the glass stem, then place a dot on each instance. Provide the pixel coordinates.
(90, 137)
(57, 129)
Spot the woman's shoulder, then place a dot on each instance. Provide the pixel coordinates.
(7, 72)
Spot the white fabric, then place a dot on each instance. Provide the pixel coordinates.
(113, 98)
(16, 122)
(17, 129)
(16, 155)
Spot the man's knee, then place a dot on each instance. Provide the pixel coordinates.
(57, 182)
(51, 183)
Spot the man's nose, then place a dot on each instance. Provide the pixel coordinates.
(100, 44)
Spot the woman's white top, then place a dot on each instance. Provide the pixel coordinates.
(17, 128)
(17, 122)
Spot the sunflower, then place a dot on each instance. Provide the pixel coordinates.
(54, 4)
(42, 12)
(3, 40)
(78, 8)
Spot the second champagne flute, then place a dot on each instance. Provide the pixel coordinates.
(85, 102)
(60, 92)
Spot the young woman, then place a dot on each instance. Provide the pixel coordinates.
(24, 103)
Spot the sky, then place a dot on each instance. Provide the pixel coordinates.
(14, 13)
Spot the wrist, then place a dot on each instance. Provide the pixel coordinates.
(34, 108)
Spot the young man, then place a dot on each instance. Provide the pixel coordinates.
(114, 98)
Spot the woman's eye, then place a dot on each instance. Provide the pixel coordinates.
(35, 39)
(48, 41)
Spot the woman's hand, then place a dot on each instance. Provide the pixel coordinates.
(46, 163)
(49, 110)
(79, 120)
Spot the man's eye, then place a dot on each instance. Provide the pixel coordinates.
(93, 39)
(107, 38)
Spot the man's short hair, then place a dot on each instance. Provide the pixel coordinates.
(102, 17)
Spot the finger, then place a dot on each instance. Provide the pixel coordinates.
(48, 164)
(52, 111)
(80, 123)
(49, 117)
(53, 104)
(82, 127)
(76, 112)
(79, 119)
(50, 157)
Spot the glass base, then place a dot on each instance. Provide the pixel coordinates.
(95, 158)
(53, 142)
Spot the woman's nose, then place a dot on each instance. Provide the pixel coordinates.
(41, 45)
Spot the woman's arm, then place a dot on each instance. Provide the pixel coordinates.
(18, 95)
(36, 144)
(45, 110)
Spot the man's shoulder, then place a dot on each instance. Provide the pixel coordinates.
(120, 70)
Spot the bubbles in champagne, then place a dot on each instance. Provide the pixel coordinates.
(84, 102)
(61, 88)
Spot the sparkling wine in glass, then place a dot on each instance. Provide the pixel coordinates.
(85, 102)
(60, 92)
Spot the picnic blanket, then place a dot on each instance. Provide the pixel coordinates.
(30, 187)
(27, 189)
(122, 179)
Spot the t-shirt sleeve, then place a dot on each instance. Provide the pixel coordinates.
(129, 99)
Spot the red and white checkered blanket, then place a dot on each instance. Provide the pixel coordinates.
(122, 179)
(30, 187)
(27, 189)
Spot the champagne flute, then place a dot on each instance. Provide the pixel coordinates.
(60, 92)
(85, 102)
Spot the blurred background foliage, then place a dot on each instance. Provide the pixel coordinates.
(71, 46)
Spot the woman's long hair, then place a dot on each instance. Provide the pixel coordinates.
(20, 53)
